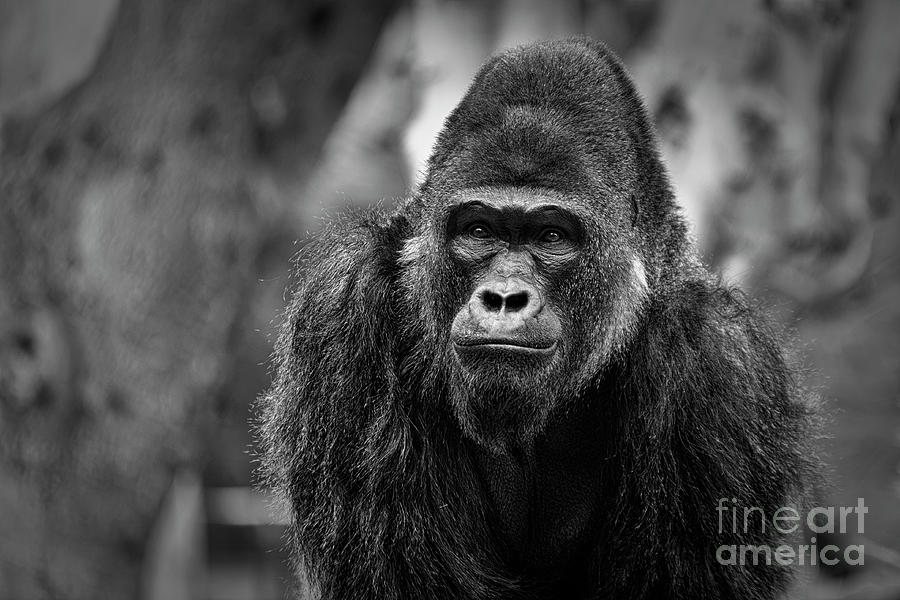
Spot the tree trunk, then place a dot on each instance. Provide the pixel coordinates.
(132, 226)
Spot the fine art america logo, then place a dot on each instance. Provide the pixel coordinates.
(748, 520)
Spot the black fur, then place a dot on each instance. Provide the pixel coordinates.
(672, 392)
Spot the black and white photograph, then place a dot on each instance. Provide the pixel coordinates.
(449, 299)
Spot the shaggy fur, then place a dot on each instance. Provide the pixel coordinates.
(672, 392)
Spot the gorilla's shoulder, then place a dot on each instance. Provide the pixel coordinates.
(705, 313)
(356, 234)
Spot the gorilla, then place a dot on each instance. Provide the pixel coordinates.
(522, 383)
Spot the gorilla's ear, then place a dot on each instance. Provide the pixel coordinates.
(635, 210)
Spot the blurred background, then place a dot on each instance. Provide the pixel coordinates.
(159, 160)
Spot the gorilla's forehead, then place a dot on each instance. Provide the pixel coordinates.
(538, 148)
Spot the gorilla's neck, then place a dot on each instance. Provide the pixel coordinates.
(545, 493)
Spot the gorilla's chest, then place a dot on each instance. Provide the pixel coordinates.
(545, 506)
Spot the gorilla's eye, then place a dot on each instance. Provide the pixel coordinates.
(552, 236)
(479, 231)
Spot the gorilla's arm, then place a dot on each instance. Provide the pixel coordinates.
(334, 367)
(710, 412)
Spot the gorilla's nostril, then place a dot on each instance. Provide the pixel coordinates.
(516, 302)
(492, 301)
(496, 302)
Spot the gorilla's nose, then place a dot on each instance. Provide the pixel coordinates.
(498, 299)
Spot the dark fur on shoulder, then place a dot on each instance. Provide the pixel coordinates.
(676, 386)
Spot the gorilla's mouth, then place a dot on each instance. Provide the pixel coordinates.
(495, 344)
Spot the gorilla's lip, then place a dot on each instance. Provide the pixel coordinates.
(507, 344)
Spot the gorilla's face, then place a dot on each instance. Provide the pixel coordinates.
(510, 340)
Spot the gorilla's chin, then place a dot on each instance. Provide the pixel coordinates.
(502, 408)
